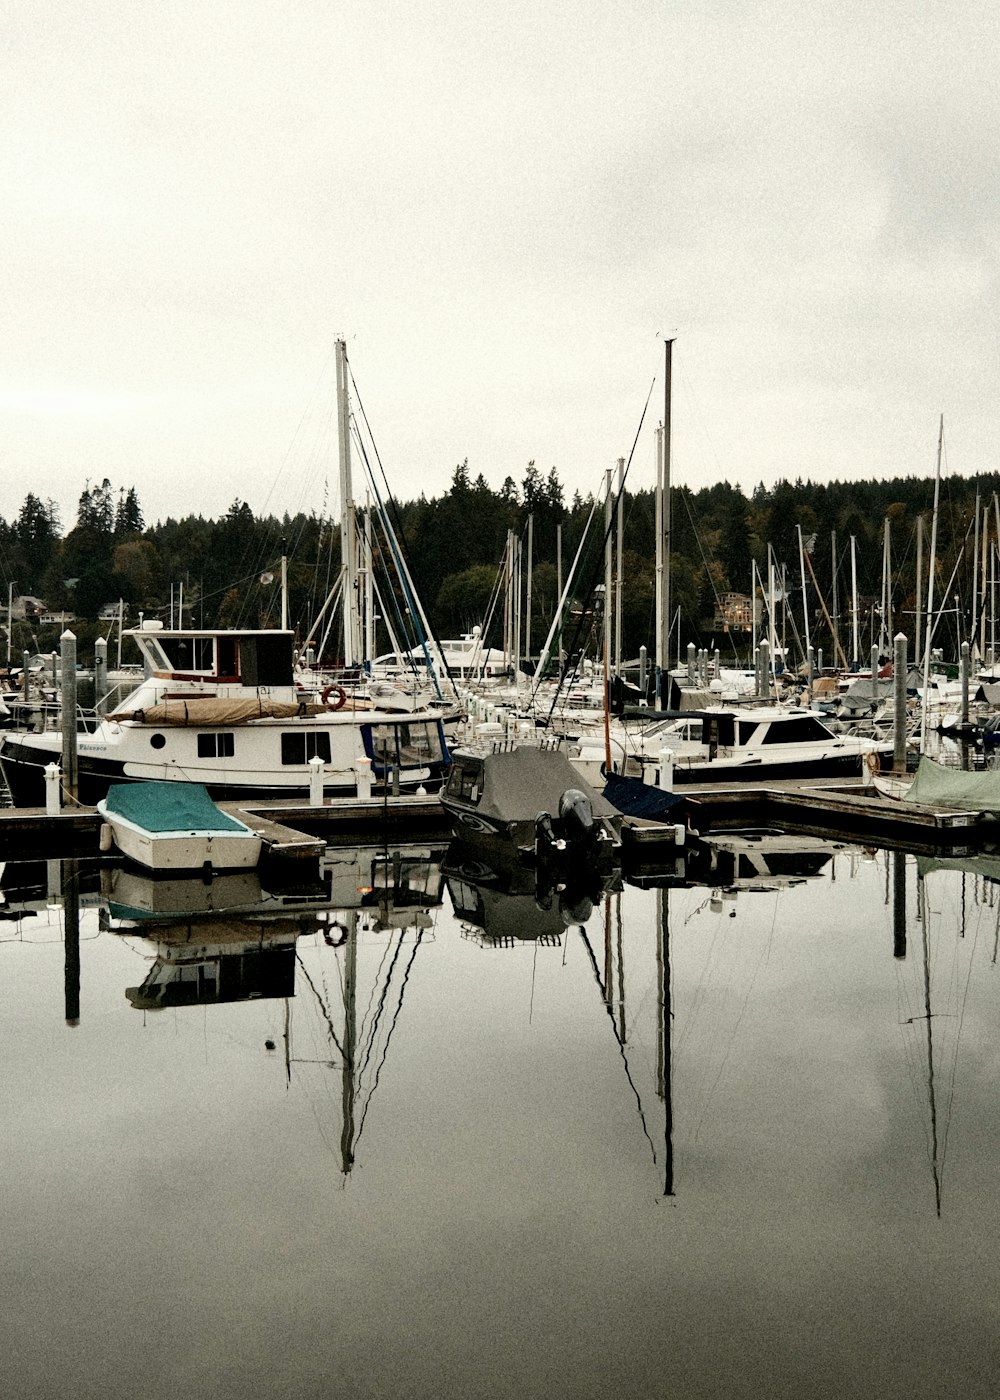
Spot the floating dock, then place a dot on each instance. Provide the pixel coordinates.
(289, 830)
(296, 830)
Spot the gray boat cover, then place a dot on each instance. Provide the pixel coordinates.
(937, 786)
(519, 784)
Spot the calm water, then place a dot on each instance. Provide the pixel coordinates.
(706, 1146)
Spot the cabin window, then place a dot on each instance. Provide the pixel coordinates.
(405, 745)
(297, 749)
(216, 745)
(800, 730)
(188, 653)
(464, 783)
(157, 741)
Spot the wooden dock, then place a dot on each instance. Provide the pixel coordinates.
(295, 830)
(289, 830)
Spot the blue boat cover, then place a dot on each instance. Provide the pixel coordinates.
(634, 798)
(167, 806)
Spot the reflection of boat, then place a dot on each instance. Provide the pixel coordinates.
(132, 897)
(501, 908)
(228, 961)
(393, 884)
(169, 826)
(760, 860)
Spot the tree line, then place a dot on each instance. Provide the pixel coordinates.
(226, 571)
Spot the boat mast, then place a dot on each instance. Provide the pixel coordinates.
(884, 633)
(974, 628)
(917, 653)
(608, 575)
(856, 650)
(348, 557)
(805, 603)
(930, 591)
(663, 541)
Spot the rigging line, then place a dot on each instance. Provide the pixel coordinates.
(958, 1041)
(392, 1027)
(685, 496)
(323, 374)
(407, 583)
(534, 968)
(375, 983)
(599, 556)
(322, 1005)
(396, 538)
(373, 1032)
(729, 1047)
(611, 1017)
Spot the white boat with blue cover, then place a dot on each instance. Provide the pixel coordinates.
(174, 827)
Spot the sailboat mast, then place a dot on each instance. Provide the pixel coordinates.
(930, 590)
(663, 554)
(348, 555)
(620, 538)
(855, 645)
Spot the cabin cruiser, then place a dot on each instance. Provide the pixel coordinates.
(734, 744)
(523, 804)
(220, 707)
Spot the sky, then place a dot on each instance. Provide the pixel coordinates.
(503, 210)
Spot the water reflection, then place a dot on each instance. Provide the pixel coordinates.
(751, 1093)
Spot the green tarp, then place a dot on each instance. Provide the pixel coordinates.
(937, 786)
(166, 806)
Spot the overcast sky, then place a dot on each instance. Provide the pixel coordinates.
(500, 208)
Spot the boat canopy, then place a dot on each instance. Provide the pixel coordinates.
(522, 782)
(168, 806)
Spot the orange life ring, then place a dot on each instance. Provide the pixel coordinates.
(872, 762)
(340, 701)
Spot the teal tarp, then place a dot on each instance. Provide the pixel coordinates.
(166, 806)
(938, 786)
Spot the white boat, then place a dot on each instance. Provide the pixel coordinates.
(938, 786)
(752, 744)
(464, 658)
(220, 707)
(172, 827)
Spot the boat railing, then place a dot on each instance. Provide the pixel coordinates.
(46, 717)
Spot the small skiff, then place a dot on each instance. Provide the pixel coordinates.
(171, 826)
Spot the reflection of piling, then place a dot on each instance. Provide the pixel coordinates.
(899, 904)
(71, 916)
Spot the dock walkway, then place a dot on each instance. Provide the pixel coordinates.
(295, 830)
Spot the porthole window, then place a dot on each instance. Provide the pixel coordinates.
(158, 741)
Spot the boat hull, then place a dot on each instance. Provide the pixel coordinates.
(176, 852)
(750, 770)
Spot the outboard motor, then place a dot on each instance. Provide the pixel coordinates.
(576, 816)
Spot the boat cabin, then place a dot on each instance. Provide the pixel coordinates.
(222, 657)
